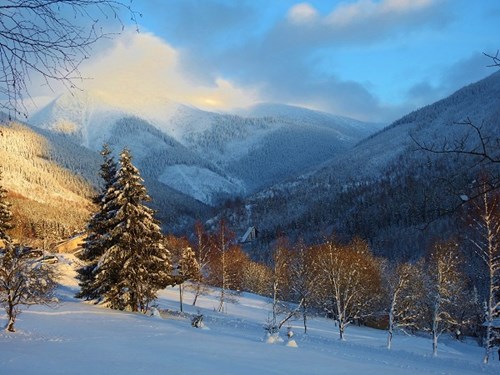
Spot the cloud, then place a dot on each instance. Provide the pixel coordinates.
(449, 79)
(301, 13)
(280, 59)
(223, 54)
(368, 10)
(361, 22)
(141, 71)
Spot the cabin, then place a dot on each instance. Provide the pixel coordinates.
(72, 245)
(250, 235)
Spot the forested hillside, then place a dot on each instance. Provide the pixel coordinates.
(388, 189)
(207, 156)
(48, 183)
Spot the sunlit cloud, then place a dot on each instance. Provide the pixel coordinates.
(141, 70)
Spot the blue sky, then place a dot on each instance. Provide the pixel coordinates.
(369, 59)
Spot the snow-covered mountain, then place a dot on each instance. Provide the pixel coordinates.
(48, 180)
(208, 156)
(387, 188)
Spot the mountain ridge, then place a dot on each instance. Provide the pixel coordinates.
(228, 154)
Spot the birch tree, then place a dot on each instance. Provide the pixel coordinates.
(279, 285)
(184, 265)
(485, 222)
(403, 286)
(202, 248)
(444, 287)
(304, 274)
(350, 280)
(226, 264)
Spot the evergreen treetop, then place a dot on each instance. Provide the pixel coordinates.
(5, 214)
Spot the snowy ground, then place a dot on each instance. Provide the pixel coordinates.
(78, 338)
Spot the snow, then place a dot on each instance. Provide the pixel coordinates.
(238, 154)
(199, 183)
(81, 338)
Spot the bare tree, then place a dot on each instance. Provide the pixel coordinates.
(403, 287)
(304, 274)
(495, 59)
(477, 144)
(485, 221)
(226, 265)
(350, 278)
(24, 281)
(444, 288)
(184, 264)
(50, 39)
(279, 286)
(202, 249)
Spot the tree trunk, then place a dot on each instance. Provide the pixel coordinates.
(221, 301)
(304, 314)
(391, 327)
(180, 296)
(11, 314)
(488, 339)
(341, 330)
(434, 343)
(196, 293)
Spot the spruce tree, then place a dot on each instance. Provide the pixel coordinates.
(98, 240)
(5, 215)
(135, 265)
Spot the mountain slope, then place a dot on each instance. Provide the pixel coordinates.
(43, 175)
(209, 156)
(385, 188)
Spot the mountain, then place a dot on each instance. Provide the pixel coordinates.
(49, 182)
(206, 156)
(387, 189)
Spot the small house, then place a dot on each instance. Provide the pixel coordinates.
(250, 235)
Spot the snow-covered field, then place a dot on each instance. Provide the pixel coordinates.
(79, 338)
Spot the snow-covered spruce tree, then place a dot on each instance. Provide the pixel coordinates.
(484, 218)
(136, 265)
(5, 215)
(98, 239)
(444, 287)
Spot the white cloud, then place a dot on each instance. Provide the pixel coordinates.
(302, 13)
(141, 71)
(363, 10)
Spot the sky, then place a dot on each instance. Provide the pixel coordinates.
(373, 60)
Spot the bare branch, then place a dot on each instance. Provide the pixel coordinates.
(50, 39)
